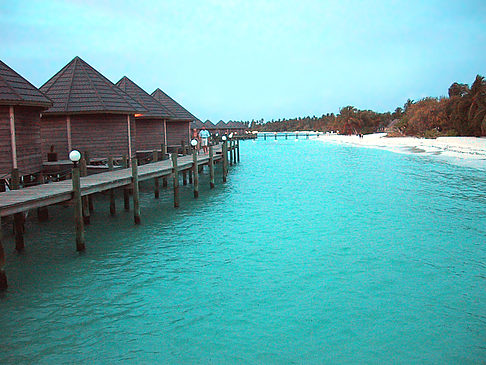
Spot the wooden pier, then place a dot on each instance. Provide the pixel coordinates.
(15, 202)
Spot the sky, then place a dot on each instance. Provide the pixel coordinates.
(253, 59)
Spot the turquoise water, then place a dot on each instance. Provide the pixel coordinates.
(311, 253)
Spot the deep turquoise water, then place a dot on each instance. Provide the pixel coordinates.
(311, 253)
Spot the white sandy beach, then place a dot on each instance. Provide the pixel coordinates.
(469, 151)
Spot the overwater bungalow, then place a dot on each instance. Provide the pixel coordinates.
(89, 113)
(20, 140)
(150, 125)
(178, 129)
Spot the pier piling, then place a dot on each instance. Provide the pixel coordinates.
(3, 276)
(225, 160)
(86, 211)
(18, 218)
(175, 172)
(126, 190)
(78, 210)
(112, 191)
(42, 212)
(238, 150)
(211, 168)
(195, 172)
(136, 192)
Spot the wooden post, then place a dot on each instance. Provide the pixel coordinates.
(175, 172)
(225, 160)
(86, 211)
(296, 135)
(42, 212)
(126, 189)
(211, 167)
(264, 137)
(136, 197)
(184, 177)
(3, 276)
(78, 210)
(183, 145)
(190, 176)
(155, 158)
(195, 172)
(112, 191)
(230, 143)
(275, 134)
(238, 150)
(163, 151)
(164, 182)
(285, 135)
(19, 218)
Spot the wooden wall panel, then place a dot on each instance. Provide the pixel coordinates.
(102, 135)
(177, 132)
(28, 139)
(150, 134)
(54, 133)
(5, 146)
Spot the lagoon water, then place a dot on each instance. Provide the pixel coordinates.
(311, 253)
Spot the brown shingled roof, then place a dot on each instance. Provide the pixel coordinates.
(79, 88)
(154, 108)
(176, 109)
(15, 90)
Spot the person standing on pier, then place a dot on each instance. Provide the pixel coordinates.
(204, 135)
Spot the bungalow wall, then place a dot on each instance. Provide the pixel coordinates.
(150, 134)
(177, 132)
(101, 135)
(27, 139)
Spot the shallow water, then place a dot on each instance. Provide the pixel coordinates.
(311, 253)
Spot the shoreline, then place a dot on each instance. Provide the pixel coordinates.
(466, 151)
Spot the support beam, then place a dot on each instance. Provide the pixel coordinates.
(195, 172)
(175, 172)
(78, 210)
(211, 167)
(112, 191)
(13, 140)
(136, 196)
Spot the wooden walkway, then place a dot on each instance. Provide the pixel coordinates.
(17, 201)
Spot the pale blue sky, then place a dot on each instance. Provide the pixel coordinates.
(256, 59)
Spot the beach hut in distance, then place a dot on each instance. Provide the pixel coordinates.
(150, 125)
(20, 106)
(178, 129)
(89, 114)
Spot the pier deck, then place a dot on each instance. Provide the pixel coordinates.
(16, 201)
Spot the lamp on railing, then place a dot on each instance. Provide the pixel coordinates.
(224, 138)
(75, 156)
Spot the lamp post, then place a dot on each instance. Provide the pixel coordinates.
(225, 158)
(75, 156)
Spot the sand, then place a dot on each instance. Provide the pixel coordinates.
(468, 151)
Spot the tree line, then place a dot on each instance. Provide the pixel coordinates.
(461, 113)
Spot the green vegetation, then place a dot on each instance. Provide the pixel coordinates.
(462, 113)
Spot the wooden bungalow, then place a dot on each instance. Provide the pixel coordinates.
(178, 129)
(20, 140)
(89, 114)
(150, 125)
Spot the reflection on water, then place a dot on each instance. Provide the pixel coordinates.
(310, 253)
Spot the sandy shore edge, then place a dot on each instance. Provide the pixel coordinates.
(470, 149)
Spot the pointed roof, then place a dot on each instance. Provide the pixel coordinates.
(15, 90)
(79, 88)
(196, 124)
(209, 125)
(176, 109)
(154, 108)
(221, 124)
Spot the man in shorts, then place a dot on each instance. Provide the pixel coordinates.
(204, 135)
